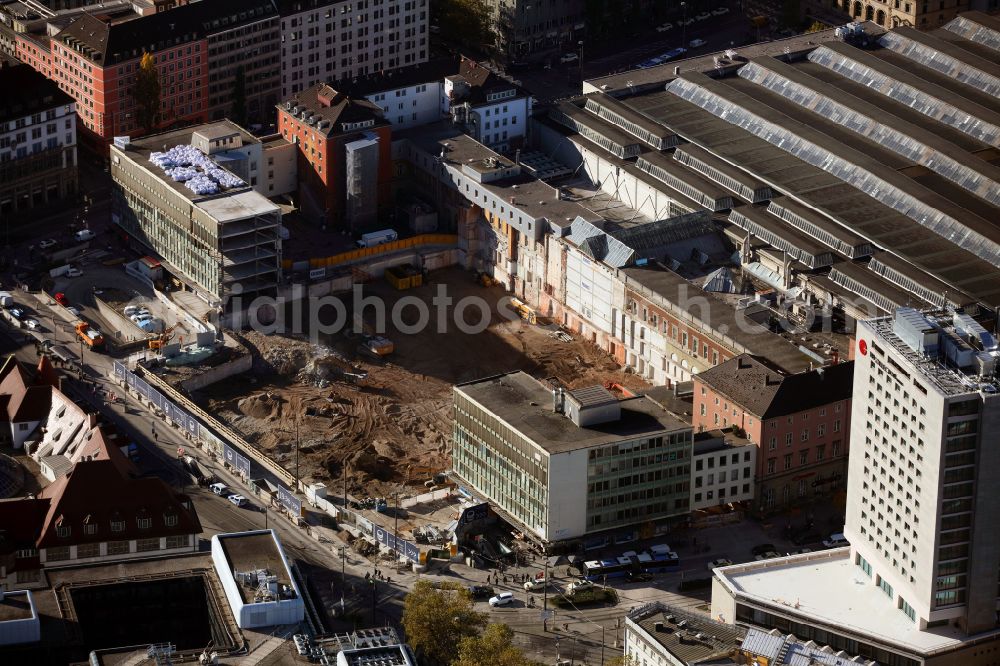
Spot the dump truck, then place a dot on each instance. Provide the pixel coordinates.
(90, 336)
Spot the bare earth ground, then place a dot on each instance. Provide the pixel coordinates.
(395, 425)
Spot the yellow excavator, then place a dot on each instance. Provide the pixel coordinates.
(162, 340)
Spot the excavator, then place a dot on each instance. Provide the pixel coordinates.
(162, 340)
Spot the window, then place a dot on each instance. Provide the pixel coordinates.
(146, 545)
(805, 435)
(88, 550)
(803, 456)
(117, 525)
(820, 430)
(770, 465)
(820, 452)
(119, 547)
(884, 586)
(836, 425)
(788, 439)
(63, 531)
(181, 541)
(788, 461)
(143, 523)
(773, 444)
(90, 528)
(907, 610)
(57, 554)
(170, 520)
(863, 564)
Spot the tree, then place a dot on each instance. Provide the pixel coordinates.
(146, 92)
(465, 21)
(437, 619)
(239, 113)
(492, 647)
(624, 660)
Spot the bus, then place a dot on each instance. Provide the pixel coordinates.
(598, 571)
(661, 562)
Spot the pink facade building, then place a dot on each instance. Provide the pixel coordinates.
(800, 424)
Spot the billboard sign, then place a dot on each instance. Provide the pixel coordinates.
(401, 546)
(289, 501)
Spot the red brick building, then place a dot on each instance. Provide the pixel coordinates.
(799, 422)
(345, 156)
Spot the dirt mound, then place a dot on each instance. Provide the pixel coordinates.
(260, 406)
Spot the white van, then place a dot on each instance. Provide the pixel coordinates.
(84, 235)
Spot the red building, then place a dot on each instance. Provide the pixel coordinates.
(344, 147)
(799, 422)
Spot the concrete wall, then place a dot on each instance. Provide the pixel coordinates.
(218, 373)
(567, 509)
(129, 331)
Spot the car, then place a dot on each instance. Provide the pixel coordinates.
(666, 27)
(762, 548)
(703, 16)
(74, 272)
(579, 586)
(837, 540)
(536, 584)
(73, 311)
(639, 576)
(769, 555)
(685, 22)
(721, 562)
(16, 313)
(32, 324)
(61, 299)
(84, 235)
(140, 318)
(47, 243)
(696, 43)
(567, 58)
(801, 551)
(502, 599)
(481, 591)
(219, 488)
(131, 310)
(720, 11)
(238, 500)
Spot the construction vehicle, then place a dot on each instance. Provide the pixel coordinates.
(90, 336)
(372, 343)
(524, 310)
(163, 339)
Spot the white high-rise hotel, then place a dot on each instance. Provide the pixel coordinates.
(920, 583)
(923, 504)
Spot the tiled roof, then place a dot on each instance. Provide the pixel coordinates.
(332, 108)
(32, 404)
(765, 391)
(118, 42)
(96, 492)
(27, 92)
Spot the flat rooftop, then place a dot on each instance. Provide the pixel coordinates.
(710, 441)
(827, 588)
(690, 637)
(525, 404)
(246, 202)
(15, 605)
(252, 552)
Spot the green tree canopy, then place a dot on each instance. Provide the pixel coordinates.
(437, 619)
(492, 647)
(465, 21)
(146, 92)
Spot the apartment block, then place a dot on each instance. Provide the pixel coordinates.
(525, 29)
(800, 424)
(920, 14)
(921, 508)
(564, 464)
(723, 467)
(193, 206)
(344, 155)
(38, 160)
(490, 108)
(325, 41)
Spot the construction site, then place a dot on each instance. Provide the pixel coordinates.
(381, 403)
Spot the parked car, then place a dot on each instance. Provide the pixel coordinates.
(567, 58)
(836, 540)
(537, 584)
(47, 243)
(578, 586)
(32, 324)
(666, 27)
(685, 22)
(61, 299)
(696, 43)
(481, 591)
(703, 16)
(807, 537)
(74, 272)
(720, 11)
(238, 500)
(131, 310)
(762, 548)
(721, 562)
(84, 235)
(17, 313)
(769, 555)
(219, 488)
(502, 599)
(73, 311)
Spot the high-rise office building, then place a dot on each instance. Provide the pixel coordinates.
(922, 505)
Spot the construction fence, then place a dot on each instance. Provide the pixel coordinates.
(422, 240)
